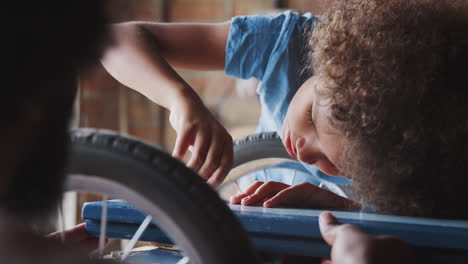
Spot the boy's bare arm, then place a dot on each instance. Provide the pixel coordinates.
(199, 46)
(142, 58)
(144, 53)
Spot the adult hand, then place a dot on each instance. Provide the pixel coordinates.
(304, 195)
(350, 245)
(210, 143)
(78, 236)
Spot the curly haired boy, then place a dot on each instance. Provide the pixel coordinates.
(375, 90)
(382, 100)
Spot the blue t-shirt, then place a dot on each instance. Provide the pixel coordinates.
(271, 49)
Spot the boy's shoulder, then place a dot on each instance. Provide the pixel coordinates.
(280, 20)
(257, 41)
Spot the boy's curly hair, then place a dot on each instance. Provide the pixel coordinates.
(397, 75)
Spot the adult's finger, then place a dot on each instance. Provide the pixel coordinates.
(75, 234)
(328, 227)
(237, 198)
(267, 190)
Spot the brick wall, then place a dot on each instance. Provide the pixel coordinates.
(105, 103)
(223, 95)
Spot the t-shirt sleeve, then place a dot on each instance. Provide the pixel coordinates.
(250, 43)
(253, 40)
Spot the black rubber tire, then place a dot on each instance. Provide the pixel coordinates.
(180, 201)
(259, 146)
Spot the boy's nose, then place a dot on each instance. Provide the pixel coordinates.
(306, 152)
(300, 142)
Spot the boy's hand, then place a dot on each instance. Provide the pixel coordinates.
(210, 143)
(78, 236)
(350, 245)
(304, 195)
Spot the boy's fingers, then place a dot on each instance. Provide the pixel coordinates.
(306, 195)
(328, 199)
(224, 166)
(183, 141)
(237, 198)
(328, 227)
(253, 188)
(267, 190)
(200, 150)
(300, 195)
(284, 197)
(314, 196)
(331, 200)
(218, 175)
(213, 158)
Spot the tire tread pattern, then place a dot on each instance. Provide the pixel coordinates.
(203, 197)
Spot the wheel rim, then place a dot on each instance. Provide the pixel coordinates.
(179, 200)
(98, 185)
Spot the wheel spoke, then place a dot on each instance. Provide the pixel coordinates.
(184, 260)
(265, 179)
(61, 222)
(239, 189)
(102, 233)
(293, 178)
(136, 237)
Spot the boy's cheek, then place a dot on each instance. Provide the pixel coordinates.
(328, 168)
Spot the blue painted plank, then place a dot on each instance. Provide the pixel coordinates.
(300, 224)
(421, 232)
(117, 211)
(295, 231)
